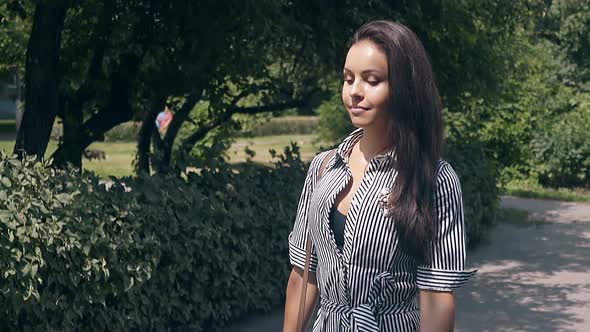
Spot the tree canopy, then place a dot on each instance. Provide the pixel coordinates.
(94, 65)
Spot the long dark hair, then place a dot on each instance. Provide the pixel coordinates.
(416, 131)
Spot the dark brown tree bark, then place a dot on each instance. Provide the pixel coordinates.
(42, 78)
(146, 131)
(72, 114)
(117, 110)
(163, 157)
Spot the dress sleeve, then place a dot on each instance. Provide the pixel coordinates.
(297, 237)
(444, 268)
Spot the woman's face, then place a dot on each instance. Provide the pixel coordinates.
(365, 90)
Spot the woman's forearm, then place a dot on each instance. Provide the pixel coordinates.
(437, 311)
(294, 296)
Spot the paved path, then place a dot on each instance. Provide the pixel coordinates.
(532, 277)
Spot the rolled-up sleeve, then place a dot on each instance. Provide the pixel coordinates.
(444, 268)
(297, 237)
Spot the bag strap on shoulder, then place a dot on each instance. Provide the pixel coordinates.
(301, 318)
(325, 163)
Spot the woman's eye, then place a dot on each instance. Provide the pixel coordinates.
(348, 79)
(373, 81)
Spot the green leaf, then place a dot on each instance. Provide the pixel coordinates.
(128, 284)
(34, 269)
(64, 198)
(26, 269)
(86, 249)
(6, 182)
(5, 216)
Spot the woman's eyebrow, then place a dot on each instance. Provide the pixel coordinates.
(364, 72)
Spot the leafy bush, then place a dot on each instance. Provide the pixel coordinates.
(173, 253)
(562, 151)
(288, 125)
(69, 249)
(124, 132)
(223, 243)
(478, 175)
(334, 123)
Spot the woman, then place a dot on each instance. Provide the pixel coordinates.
(386, 216)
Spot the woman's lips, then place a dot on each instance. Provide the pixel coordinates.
(357, 110)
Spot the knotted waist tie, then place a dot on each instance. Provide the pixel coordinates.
(362, 318)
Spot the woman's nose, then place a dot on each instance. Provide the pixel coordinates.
(356, 89)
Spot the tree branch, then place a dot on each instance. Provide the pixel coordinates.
(188, 143)
(180, 116)
(101, 39)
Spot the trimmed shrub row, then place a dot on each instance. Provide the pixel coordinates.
(288, 125)
(478, 175)
(124, 132)
(171, 254)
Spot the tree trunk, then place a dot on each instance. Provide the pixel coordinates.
(42, 78)
(146, 130)
(70, 151)
(163, 147)
(117, 110)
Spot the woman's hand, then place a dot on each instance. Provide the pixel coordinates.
(437, 311)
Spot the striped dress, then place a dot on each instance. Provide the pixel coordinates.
(372, 284)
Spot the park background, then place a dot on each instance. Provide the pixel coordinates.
(192, 233)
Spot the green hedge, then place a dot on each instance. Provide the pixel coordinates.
(478, 175)
(561, 153)
(223, 242)
(287, 125)
(124, 132)
(69, 251)
(171, 254)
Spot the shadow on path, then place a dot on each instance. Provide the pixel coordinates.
(534, 278)
(549, 210)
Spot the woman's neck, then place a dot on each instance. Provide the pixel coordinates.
(373, 143)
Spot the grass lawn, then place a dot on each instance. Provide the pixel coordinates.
(121, 154)
(118, 162)
(8, 146)
(262, 145)
(516, 217)
(534, 190)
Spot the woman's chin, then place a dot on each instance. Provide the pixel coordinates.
(359, 122)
